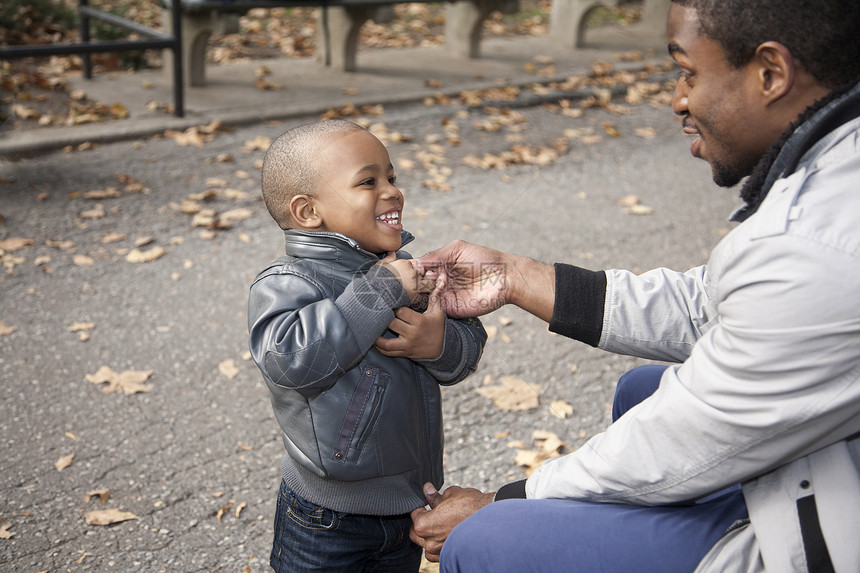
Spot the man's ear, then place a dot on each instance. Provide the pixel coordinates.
(303, 213)
(776, 70)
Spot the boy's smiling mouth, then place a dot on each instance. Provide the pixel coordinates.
(390, 218)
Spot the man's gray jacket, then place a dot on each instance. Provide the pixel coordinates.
(767, 392)
(362, 431)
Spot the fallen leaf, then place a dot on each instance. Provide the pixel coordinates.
(512, 394)
(628, 201)
(108, 516)
(228, 368)
(81, 326)
(223, 510)
(147, 256)
(14, 244)
(239, 508)
(127, 382)
(646, 132)
(83, 260)
(259, 143)
(560, 409)
(62, 245)
(113, 238)
(64, 462)
(108, 193)
(6, 330)
(96, 212)
(640, 210)
(102, 494)
(4, 531)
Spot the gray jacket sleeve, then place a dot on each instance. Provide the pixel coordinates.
(464, 344)
(302, 340)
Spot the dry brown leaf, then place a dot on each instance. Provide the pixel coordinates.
(512, 394)
(147, 256)
(14, 244)
(113, 238)
(4, 531)
(259, 143)
(62, 245)
(102, 494)
(646, 132)
(560, 409)
(64, 462)
(127, 382)
(228, 368)
(81, 326)
(640, 210)
(83, 261)
(96, 212)
(628, 201)
(108, 193)
(223, 509)
(239, 508)
(6, 330)
(228, 218)
(108, 516)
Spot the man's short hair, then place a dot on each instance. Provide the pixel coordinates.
(291, 166)
(823, 35)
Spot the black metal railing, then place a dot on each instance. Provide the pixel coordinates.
(156, 40)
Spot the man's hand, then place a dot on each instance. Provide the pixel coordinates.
(430, 527)
(481, 280)
(477, 278)
(420, 336)
(413, 282)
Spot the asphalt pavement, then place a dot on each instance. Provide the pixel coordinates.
(105, 265)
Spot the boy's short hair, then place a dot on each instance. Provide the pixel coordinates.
(291, 167)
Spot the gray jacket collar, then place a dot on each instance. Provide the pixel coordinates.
(325, 245)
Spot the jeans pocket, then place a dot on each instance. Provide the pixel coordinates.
(309, 515)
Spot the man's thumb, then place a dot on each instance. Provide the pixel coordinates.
(431, 495)
(434, 302)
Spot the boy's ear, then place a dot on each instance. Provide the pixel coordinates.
(303, 212)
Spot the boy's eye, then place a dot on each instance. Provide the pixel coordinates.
(392, 179)
(368, 182)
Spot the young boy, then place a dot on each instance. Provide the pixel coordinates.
(353, 371)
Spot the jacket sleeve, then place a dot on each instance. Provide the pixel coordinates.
(773, 379)
(463, 346)
(302, 340)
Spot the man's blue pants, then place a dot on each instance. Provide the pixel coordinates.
(554, 535)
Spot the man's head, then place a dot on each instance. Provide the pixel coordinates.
(334, 176)
(751, 67)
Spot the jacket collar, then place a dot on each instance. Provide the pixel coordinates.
(782, 159)
(324, 245)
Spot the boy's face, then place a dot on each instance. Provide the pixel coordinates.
(356, 195)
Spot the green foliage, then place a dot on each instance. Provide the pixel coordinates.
(22, 16)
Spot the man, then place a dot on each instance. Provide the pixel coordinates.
(766, 336)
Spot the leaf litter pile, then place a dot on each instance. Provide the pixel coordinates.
(219, 205)
(35, 92)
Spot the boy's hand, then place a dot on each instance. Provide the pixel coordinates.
(413, 283)
(420, 336)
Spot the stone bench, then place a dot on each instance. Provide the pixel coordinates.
(338, 27)
(568, 18)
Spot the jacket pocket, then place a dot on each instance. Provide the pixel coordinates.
(361, 415)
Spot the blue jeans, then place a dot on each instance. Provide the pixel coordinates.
(312, 538)
(558, 535)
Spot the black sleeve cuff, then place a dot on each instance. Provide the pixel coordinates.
(580, 296)
(513, 490)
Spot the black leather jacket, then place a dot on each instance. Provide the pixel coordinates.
(362, 431)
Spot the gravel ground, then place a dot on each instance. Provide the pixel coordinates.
(196, 458)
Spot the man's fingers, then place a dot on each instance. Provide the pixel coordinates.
(431, 495)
